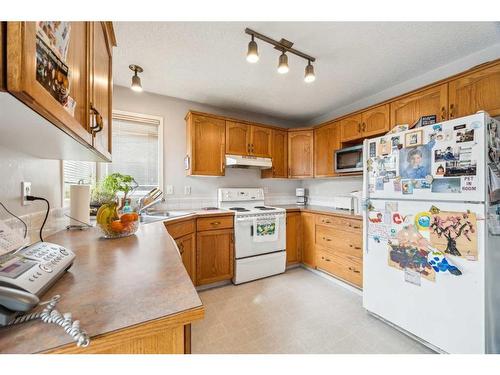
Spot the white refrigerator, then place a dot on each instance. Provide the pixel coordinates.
(431, 252)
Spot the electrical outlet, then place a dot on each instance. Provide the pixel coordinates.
(187, 190)
(170, 189)
(25, 191)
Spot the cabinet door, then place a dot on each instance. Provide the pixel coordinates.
(206, 145)
(300, 154)
(475, 92)
(409, 109)
(308, 242)
(279, 152)
(102, 88)
(293, 237)
(350, 128)
(375, 121)
(22, 79)
(214, 256)
(326, 141)
(186, 245)
(261, 140)
(237, 138)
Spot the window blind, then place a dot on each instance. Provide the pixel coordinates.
(79, 171)
(136, 151)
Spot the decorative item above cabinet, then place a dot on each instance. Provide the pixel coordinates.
(62, 71)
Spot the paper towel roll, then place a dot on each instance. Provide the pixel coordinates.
(79, 208)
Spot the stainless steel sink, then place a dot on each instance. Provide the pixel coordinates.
(152, 216)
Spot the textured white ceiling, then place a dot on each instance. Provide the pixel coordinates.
(205, 61)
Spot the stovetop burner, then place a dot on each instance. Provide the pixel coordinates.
(264, 208)
(238, 209)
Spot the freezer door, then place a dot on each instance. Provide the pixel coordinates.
(441, 308)
(444, 161)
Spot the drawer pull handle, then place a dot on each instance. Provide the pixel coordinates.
(326, 259)
(353, 270)
(215, 222)
(327, 239)
(357, 247)
(326, 221)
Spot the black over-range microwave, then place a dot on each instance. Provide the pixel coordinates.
(349, 159)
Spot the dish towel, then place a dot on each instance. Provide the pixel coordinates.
(265, 230)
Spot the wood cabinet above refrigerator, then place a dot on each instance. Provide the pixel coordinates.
(78, 133)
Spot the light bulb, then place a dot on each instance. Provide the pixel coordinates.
(283, 64)
(309, 74)
(252, 54)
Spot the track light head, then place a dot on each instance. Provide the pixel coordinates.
(283, 64)
(309, 73)
(136, 80)
(253, 53)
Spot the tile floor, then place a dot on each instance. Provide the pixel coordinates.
(296, 312)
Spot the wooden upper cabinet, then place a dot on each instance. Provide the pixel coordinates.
(474, 92)
(326, 141)
(206, 148)
(22, 80)
(279, 152)
(409, 109)
(300, 154)
(375, 121)
(101, 87)
(237, 138)
(261, 141)
(214, 256)
(350, 128)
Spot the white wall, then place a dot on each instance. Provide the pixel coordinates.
(322, 191)
(203, 189)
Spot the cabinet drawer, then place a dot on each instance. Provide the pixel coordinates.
(340, 222)
(349, 243)
(180, 229)
(216, 222)
(345, 269)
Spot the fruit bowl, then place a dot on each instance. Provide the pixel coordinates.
(114, 225)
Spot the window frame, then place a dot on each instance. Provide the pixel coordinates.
(145, 119)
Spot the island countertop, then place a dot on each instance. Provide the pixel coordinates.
(113, 284)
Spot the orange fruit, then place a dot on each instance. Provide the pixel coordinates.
(129, 217)
(117, 226)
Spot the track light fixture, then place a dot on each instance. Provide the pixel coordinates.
(309, 75)
(283, 64)
(285, 46)
(253, 53)
(136, 80)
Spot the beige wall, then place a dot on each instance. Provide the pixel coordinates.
(173, 111)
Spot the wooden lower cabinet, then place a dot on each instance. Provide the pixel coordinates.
(214, 256)
(340, 266)
(293, 237)
(308, 242)
(187, 248)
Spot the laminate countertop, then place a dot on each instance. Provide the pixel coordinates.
(320, 210)
(113, 284)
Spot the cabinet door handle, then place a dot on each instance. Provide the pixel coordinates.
(353, 270)
(326, 221)
(363, 127)
(327, 239)
(98, 120)
(289, 172)
(443, 113)
(359, 127)
(251, 230)
(325, 259)
(181, 248)
(248, 148)
(452, 107)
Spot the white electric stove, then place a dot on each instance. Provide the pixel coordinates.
(259, 231)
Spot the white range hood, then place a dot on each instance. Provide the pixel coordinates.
(238, 161)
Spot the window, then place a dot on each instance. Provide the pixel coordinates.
(75, 172)
(137, 148)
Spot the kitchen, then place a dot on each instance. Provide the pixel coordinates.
(234, 220)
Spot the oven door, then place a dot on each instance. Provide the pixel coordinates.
(246, 246)
(349, 159)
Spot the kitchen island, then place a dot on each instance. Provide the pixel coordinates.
(131, 295)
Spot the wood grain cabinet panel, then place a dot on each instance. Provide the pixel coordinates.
(238, 138)
(214, 222)
(214, 256)
(101, 88)
(279, 155)
(300, 154)
(308, 239)
(3, 42)
(326, 142)
(409, 109)
(347, 270)
(261, 142)
(293, 237)
(206, 145)
(187, 249)
(350, 128)
(375, 121)
(475, 92)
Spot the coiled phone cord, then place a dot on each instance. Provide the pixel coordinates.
(50, 315)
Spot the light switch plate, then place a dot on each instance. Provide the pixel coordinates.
(170, 190)
(187, 190)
